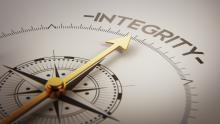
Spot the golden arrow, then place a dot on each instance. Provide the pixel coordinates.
(118, 43)
(56, 86)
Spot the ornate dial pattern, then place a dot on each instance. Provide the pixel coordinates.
(101, 88)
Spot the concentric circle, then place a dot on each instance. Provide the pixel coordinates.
(101, 87)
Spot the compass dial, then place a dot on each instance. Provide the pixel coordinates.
(144, 82)
(101, 87)
(105, 63)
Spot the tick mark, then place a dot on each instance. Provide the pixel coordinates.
(51, 25)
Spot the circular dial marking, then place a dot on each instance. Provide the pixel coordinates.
(101, 87)
(186, 113)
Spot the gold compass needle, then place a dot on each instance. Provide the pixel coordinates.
(25, 108)
(122, 42)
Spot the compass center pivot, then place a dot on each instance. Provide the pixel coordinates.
(55, 87)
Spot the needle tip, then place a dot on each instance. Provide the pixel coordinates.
(113, 118)
(7, 67)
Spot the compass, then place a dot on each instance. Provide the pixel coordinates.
(93, 63)
(100, 87)
(43, 67)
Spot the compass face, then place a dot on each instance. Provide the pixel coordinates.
(107, 95)
(154, 81)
